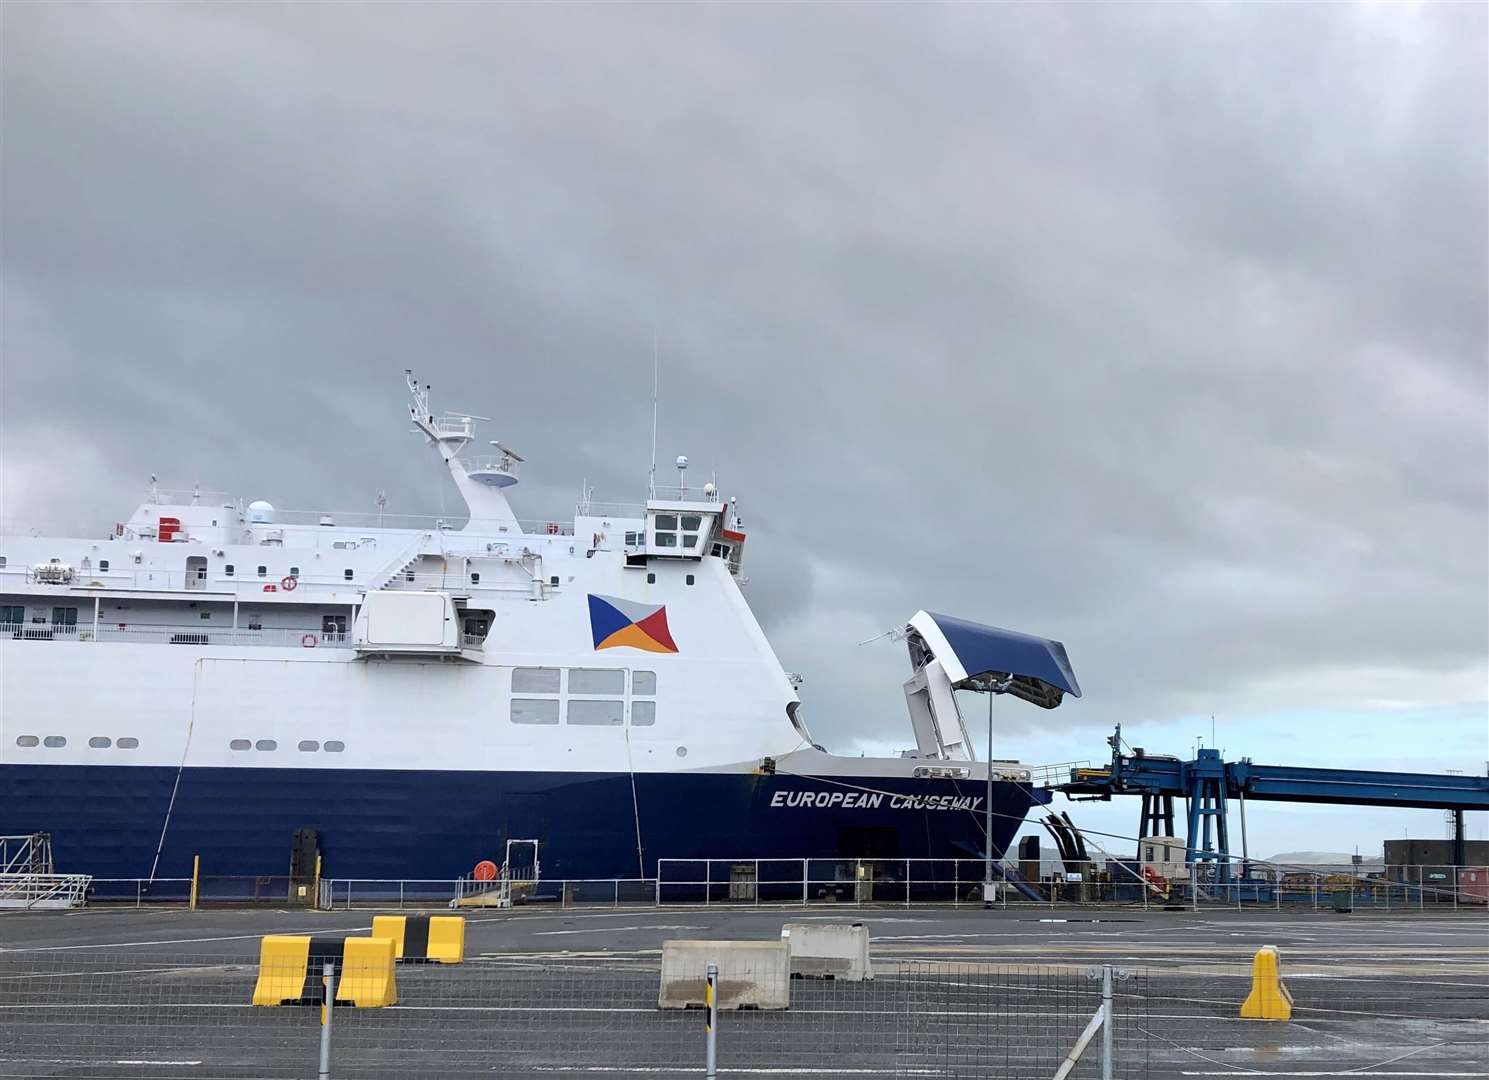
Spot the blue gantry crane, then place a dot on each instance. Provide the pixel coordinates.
(1209, 783)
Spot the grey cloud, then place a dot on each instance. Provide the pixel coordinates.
(1157, 329)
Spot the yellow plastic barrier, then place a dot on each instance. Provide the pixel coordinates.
(446, 939)
(282, 964)
(1269, 999)
(438, 939)
(391, 926)
(366, 976)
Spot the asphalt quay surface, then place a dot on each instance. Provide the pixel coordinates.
(1390, 996)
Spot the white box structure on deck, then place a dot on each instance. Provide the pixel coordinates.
(752, 974)
(408, 621)
(829, 950)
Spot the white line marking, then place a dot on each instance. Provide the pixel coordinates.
(186, 940)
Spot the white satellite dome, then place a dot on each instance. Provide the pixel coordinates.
(260, 512)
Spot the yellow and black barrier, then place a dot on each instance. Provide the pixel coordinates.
(291, 971)
(1269, 999)
(433, 939)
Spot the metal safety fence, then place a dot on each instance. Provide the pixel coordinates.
(107, 1015)
(807, 882)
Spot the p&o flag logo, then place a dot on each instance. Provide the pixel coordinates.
(617, 623)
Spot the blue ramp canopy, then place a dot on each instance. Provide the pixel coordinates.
(972, 654)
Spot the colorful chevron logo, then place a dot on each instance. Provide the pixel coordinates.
(617, 624)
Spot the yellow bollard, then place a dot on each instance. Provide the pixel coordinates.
(1269, 999)
(196, 876)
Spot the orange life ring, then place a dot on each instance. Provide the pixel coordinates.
(485, 870)
(289, 584)
(309, 641)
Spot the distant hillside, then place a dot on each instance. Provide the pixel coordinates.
(1322, 858)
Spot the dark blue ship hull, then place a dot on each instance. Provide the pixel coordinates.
(108, 820)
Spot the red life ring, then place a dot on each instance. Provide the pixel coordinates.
(485, 870)
(289, 584)
(309, 641)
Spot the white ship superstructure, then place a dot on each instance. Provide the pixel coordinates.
(215, 675)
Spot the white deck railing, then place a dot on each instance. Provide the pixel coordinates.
(276, 637)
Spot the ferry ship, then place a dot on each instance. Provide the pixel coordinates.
(216, 678)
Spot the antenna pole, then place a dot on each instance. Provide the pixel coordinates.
(656, 378)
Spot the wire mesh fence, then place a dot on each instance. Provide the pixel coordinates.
(122, 1015)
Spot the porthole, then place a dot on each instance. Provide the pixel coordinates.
(240, 744)
(266, 744)
(309, 745)
(54, 742)
(128, 742)
(682, 751)
(27, 740)
(334, 746)
(100, 742)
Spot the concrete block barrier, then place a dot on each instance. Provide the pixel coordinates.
(829, 950)
(752, 974)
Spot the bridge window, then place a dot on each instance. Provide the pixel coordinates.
(535, 710)
(665, 530)
(597, 711)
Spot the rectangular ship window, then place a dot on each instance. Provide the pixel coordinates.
(534, 710)
(643, 713)
(535, 680)
(597, 681)
(600, 712)
(644, 682)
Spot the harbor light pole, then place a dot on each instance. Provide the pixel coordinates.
(993, 689)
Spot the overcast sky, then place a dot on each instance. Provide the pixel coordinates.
(1160, 330)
